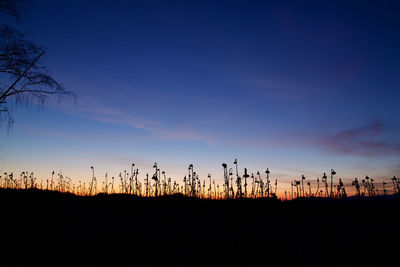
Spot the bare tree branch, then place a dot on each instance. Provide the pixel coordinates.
(20, 64)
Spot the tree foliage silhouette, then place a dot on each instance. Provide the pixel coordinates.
(23, 79)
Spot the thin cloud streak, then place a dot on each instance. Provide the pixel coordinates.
(364, 141)
(103, 114)
(361, 141)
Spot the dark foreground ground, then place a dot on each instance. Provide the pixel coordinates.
(62, 229)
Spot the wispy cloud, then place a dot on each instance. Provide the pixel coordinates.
(98, 112)
(362, 141)
(367, 141)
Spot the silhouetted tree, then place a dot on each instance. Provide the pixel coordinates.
(23, 78)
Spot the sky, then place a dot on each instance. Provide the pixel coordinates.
(298, 87)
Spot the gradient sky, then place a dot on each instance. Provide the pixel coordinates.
(299, 87)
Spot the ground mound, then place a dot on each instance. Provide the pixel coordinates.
(63, 229)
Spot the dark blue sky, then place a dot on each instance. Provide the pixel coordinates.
(296, 86)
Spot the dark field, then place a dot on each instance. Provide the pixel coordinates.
(62, 229)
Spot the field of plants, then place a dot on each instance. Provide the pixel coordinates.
(233, 185)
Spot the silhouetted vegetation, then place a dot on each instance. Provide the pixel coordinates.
(193, 186)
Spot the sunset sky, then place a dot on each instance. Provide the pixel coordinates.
(298, 87)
